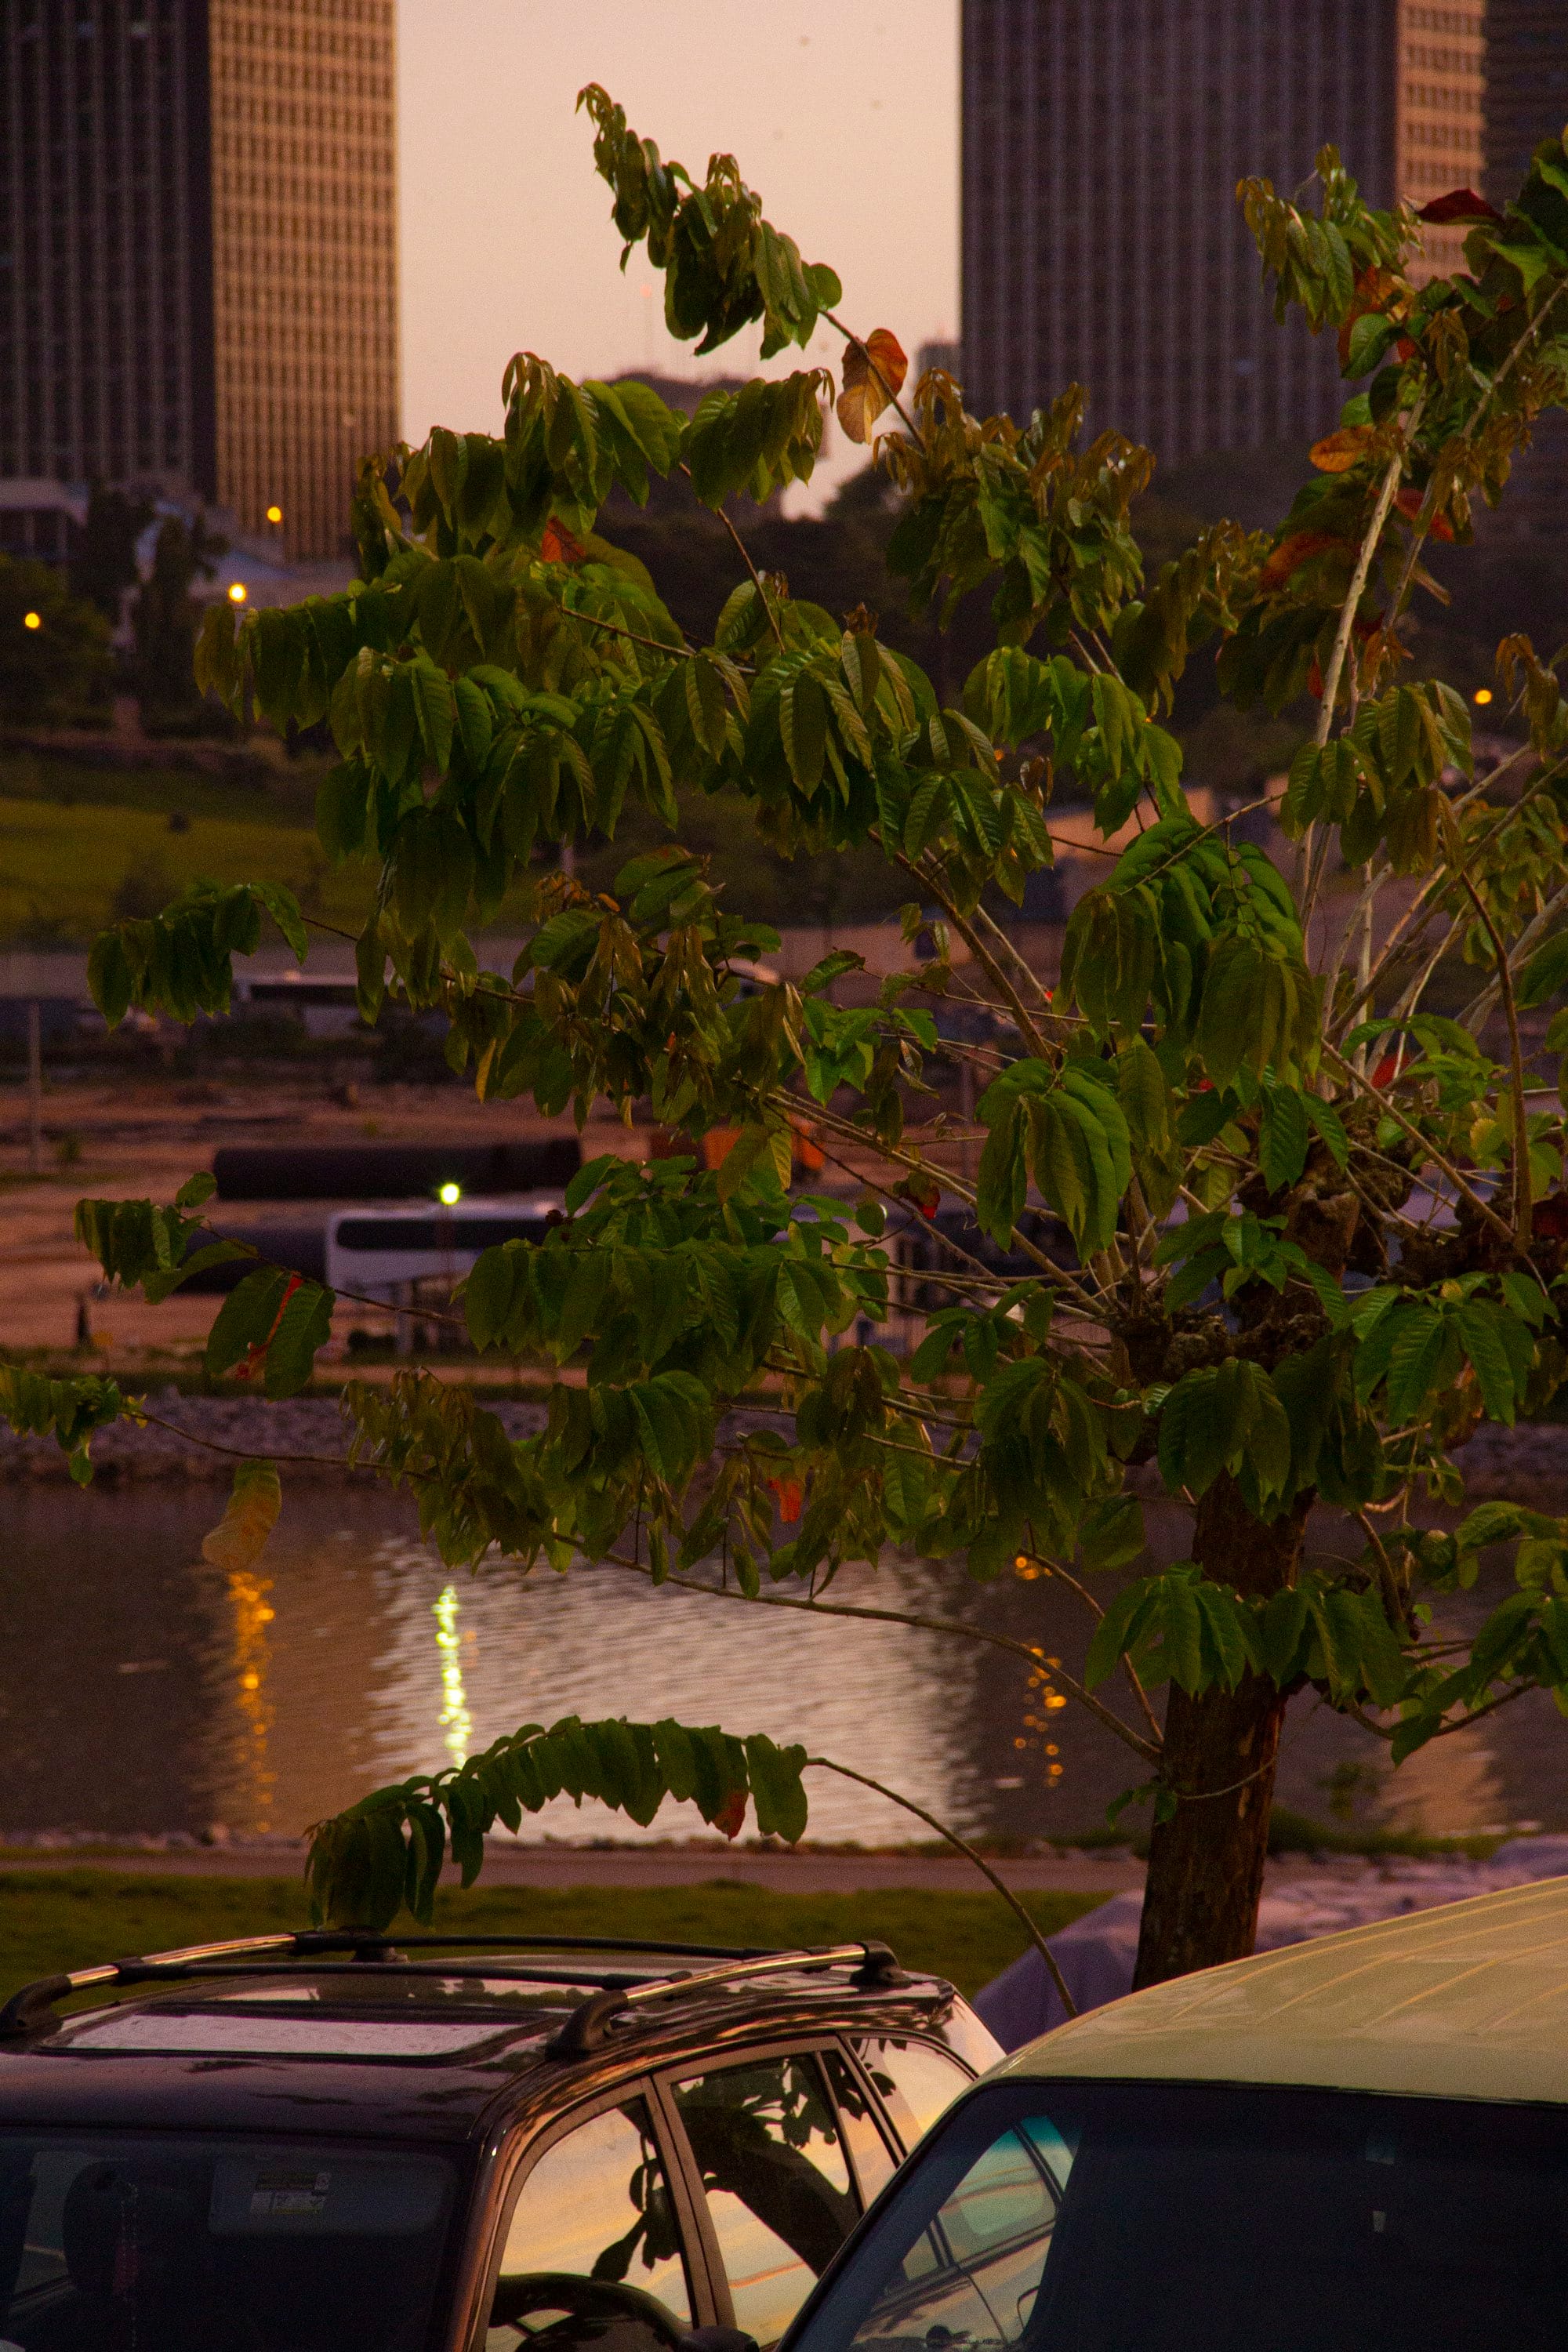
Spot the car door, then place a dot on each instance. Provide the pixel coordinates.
(783, 2150)
(598, 2242)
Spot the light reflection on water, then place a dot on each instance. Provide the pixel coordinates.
(140, 1689)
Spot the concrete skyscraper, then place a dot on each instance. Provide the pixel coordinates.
(1102, 241)
(1527, 101)
(198, 250)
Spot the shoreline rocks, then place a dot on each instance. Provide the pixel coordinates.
(197, 1437)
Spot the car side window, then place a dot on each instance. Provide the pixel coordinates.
(873, 2159)
(916, 2082)
(593, 2248)
(766, 2143)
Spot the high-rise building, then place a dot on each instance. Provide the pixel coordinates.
(198, 258)
(1526, 88)
(1102, 242)
(1527, 101)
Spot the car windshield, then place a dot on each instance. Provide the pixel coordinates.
(1061, 2217)
(215, 2245)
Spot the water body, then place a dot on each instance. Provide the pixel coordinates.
(143, 1690)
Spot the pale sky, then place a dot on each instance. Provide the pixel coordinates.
(845, 119)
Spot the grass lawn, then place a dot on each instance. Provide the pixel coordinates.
(64, 868)
(69, 1918)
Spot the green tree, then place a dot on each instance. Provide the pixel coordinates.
(1316, 1235)
(104, 557)
(56, 668)
(164, 620)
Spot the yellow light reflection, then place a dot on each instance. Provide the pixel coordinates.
(253, 1613)
(457, 1723)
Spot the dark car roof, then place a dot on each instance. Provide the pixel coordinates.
(376, 2049)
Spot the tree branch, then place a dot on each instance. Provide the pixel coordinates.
(1521, 1171)
(826, 1764)
(1482, 1208)
(1381, 512)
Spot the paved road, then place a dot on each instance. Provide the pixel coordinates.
(564, 1865)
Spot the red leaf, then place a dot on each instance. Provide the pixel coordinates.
(1549, 1218)
(558, 546)
(923, 1192)
(791, 1495)
(1292, 552)
(1458, 204)
(731, 1819)
(1315, 680)
(1409, 503)
(874, 373)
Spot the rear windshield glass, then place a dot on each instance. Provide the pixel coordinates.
(1121, 2217)
(208, 2246)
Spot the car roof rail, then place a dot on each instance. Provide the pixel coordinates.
(587, 2028)
(29, 2010)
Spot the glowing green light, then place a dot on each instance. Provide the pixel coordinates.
(450, 1195)
(457, 1723)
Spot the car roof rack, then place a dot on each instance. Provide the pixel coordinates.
(30, 2010)
(587, 2028)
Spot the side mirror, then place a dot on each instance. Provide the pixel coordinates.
(717, 2339)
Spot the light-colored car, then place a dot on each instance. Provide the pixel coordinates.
(1356, 2145)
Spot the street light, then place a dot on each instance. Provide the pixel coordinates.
(32, 620)
(1482, 695)
(450, 1195)
(274, 514)
(237, 592)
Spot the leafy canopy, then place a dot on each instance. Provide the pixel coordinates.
(1248, 1217)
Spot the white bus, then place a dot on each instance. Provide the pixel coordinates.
(381, 1252)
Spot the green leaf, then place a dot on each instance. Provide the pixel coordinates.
(1330, 1129)
(1283, 1136)
(434, 708)
(1545, 973)
(487, 1294)
(1413, 1359)
(1111, 1534)
(246, 1319)
(1479, 1327)
(1144, 1096)
(803, 726)
(777, 1791)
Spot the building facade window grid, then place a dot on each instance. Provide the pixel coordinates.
(1102, 142)
(267, 388)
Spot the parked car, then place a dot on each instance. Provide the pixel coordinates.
(321, 2142)
(1356, 2145)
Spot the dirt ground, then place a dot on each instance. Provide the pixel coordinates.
(143, 1138)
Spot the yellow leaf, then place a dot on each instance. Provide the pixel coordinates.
(1339, 451)
(240, 1536)
(874, 374)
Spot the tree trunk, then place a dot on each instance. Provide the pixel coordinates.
(1205, 1864)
